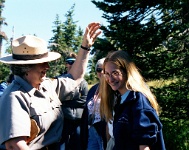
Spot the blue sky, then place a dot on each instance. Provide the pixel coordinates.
(37, 16)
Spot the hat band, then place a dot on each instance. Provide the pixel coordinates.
(29, 57)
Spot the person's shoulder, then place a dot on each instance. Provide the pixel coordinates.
(134, 95)
(141, 100)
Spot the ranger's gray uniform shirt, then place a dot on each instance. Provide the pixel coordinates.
(21, 101)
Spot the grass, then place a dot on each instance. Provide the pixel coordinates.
(161, 83)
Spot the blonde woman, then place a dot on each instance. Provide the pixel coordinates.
(136, 125)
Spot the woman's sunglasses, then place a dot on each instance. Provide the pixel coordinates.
(70, 62)
(99, 70)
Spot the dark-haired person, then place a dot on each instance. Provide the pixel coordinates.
(70, 59)
(93, 128)
(73, 110)
(30, 108)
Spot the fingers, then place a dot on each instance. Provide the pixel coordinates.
(93, 28)
(92, 31)
(91, 34)
(93, 23)
(96, 35)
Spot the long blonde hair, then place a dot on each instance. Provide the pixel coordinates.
(134, 82)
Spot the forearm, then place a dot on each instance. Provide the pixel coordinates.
(80, 65)
(18, 143)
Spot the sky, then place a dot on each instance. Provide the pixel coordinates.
(37, 16)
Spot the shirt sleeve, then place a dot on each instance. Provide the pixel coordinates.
(16, 122)
(146, 123)
(83, 91)
(66, 88)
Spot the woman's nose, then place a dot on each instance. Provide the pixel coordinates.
(111, 78)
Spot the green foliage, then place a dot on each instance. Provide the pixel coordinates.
(91, 78)
(142, 28)
(4, 71)
(176, 134)
(174, 102)
(66, 39)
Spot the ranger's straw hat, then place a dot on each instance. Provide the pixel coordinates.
(29, 50)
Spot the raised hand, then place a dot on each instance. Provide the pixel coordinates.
(91, 33)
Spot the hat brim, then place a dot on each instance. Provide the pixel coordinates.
(9, 60)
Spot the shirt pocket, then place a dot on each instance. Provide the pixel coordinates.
(44, 112)
(39, 106)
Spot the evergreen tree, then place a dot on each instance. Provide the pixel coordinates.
(69, 27)
(66, 39)
(57, 44)
(139, 27)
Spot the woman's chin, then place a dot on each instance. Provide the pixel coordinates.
(114, 88)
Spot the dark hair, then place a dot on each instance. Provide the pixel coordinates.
(20, 70)
(71, 55)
